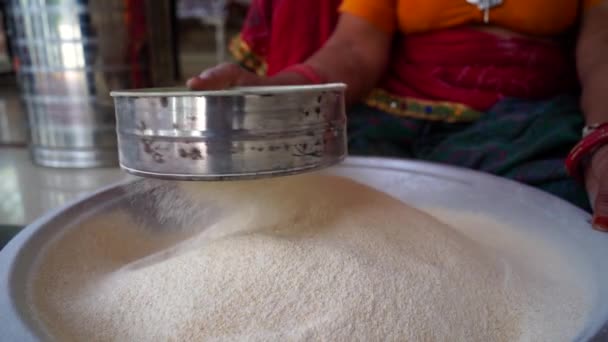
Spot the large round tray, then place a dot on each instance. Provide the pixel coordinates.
(420, 184)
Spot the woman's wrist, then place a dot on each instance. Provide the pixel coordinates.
(595, 137)
(306, 72)
(599, 157)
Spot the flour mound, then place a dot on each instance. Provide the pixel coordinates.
(298, 258)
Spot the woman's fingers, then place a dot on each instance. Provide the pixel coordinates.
(600, 219)
(600, 169)
(224, 76)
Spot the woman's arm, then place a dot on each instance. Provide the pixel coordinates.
(356, 54)
(592, 62)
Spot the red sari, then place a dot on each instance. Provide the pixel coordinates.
(450, 75)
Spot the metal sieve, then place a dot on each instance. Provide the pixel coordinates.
(241, 133)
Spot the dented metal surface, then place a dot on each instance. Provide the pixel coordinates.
(237, 134)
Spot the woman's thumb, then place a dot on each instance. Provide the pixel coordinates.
(600, 216)
(599, 177)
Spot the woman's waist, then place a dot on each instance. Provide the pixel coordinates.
(481, 45)
(502, 32)
(478, 68)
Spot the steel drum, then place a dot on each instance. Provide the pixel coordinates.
(69, 54)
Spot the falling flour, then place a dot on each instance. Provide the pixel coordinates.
(309, 257)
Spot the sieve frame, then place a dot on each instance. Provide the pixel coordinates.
(240, 133)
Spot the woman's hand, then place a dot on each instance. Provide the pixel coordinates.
(357, 54)
(597, 187)
(592, 62)
(229, 75)
(224, 76)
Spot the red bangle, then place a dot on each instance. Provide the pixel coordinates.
(306, 71)
(585, 149)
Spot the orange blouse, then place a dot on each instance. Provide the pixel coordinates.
(535, 17)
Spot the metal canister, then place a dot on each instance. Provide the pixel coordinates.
(13, 125)
(69, 54)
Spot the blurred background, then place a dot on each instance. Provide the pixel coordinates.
(59, 59)
(199, 31)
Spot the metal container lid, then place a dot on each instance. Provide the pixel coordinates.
(240, 133)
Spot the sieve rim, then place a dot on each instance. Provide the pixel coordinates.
(237, 91)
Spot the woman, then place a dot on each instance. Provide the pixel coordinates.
(485, 84)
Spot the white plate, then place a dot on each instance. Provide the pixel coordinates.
(423, 185)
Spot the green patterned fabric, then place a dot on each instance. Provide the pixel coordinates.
(526, 141)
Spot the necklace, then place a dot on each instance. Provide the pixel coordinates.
(485, 6)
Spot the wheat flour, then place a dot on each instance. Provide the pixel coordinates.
(299, 258)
